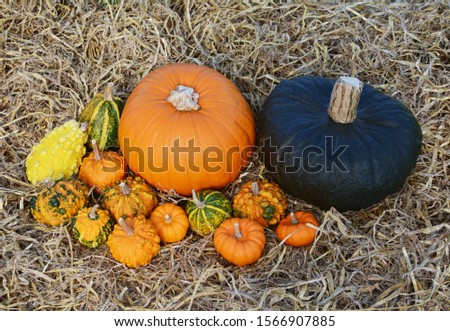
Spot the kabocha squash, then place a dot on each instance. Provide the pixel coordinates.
(206, 210)
(185, 127)
(103, 115)
(261, 201)
(102, 169)
(339, 143)
(299, 228)
(170, 221)
(129, 198)
(240, 241)
(58, 155)
(58, 204)
(92, 226)
(134, 243)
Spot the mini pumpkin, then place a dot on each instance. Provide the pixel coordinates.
(170, 221)
(299, 228)
(134, 243)
(92, 226)
(240, 241)
(206, 210)
(58, 204)
(261, 201)
(102, 169)
(129, 198)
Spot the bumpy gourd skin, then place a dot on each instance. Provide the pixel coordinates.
(92, 231)
(58, 155)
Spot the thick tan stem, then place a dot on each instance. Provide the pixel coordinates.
(344, 99)
(97, 153)
(125, 227)
(108, 92)
(184, 98)
(293, 219)
(255, 188)
(124, 188)
(93, 213)
(198, 203)
(237, 231)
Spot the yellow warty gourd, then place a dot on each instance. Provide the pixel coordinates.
(58, 155)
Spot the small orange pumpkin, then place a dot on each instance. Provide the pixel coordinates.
(170, 221)
(240, 241)
(299, 229)
(102, 169)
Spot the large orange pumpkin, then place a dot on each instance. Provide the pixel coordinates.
(186, 127)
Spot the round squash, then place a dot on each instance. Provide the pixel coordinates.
(338, 144)
(206, 210)
(58, 204)
(134, 243)
(296, 227)
(261, 201)
(170, 222)
(102, 114)
(129, 198)
(102, 169)
(92, 226)
(185, 127)
(240, 241)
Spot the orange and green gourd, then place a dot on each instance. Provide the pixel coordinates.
(262, 201)
(206, 210)
(129, 198)
(102, 114)
(92, 226)
(60, 203)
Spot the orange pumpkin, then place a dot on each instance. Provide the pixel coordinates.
(240, 241)
(102, 169)
(186, 127)
(170, 221)
(299, 229)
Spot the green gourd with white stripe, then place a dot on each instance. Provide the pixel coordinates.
(207, 210)
(102, 114)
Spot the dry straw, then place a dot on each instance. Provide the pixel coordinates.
(395, 255)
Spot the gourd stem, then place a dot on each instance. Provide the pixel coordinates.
(293, 219)
(167, 218)
(107, 93)
(198, 203)
(344, 99)
(97, 153)
(93, 213)
(125, 227)
(255, 188)
(124, 188)
(184, 98)
(83, 126)
(237, 231)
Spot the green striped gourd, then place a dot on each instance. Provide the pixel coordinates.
(103, 114)
(207, 210)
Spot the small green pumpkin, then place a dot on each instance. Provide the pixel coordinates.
(103, 115)
(92, 226)
(207, 210)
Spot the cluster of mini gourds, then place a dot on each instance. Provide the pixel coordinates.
(128, 217)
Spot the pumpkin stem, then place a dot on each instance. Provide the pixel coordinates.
(344, 99)
(124, 188)
(255, 188)
(237, 231)
(167, 218)
(93, 213)
(125, 227)
(293, 219)
(97, 153)
(184, 98)
(198, 203)
(107, 93)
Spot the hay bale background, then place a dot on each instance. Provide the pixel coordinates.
(55, 57)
